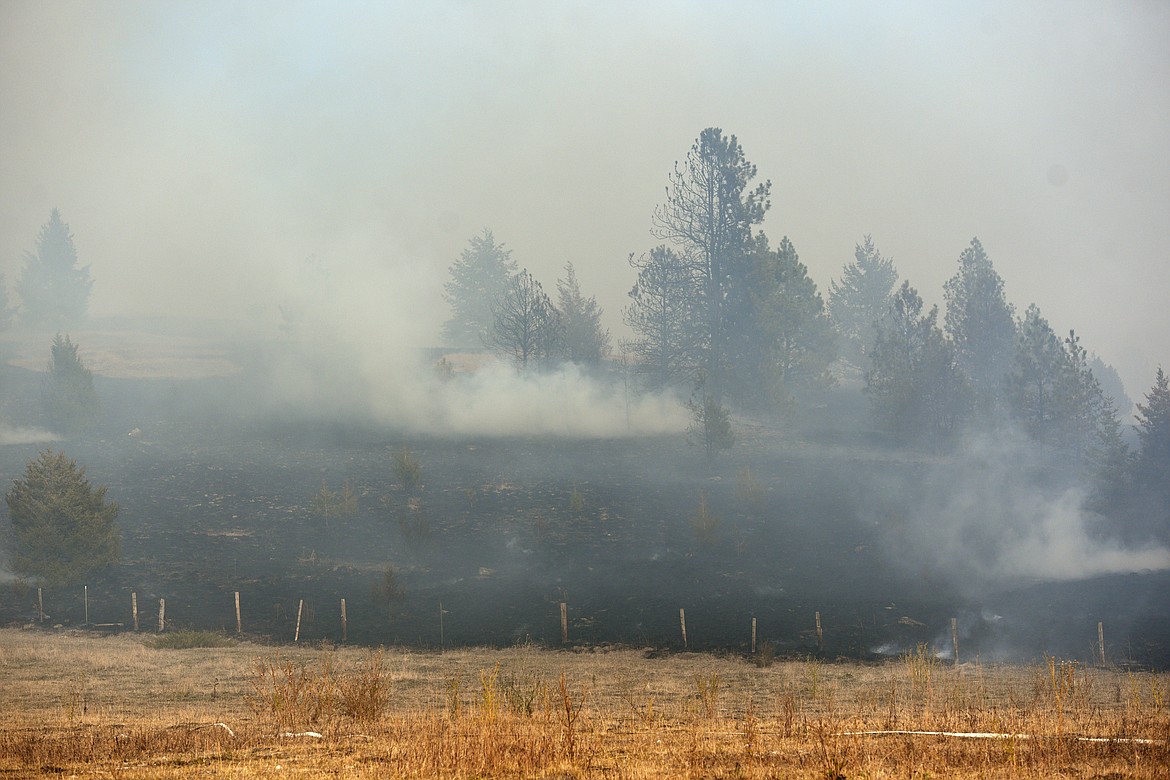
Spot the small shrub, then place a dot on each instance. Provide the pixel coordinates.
(329, 504)
(407, 470)
(707, 690)
(187, 640)
(522, 693)
(348, 501)
(365, 693)
(293, 695)
(765, 655)
(576, 500)
(704, 522)
(710, 425)
(490, 693)
(922, 666)
(388, 590)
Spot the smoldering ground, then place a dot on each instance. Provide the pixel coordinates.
(1003, 511)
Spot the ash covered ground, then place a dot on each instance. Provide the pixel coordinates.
(501, 530)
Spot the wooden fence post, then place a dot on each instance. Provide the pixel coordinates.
(820, 635)
(682, 621)
(344, 629)
(86, 587)
(134, 608)
(239, 622)
(40, 605)
(297, 633)
(1101, 641)
(564, 623)
(955, 639)
(753, 636)
(162, 614)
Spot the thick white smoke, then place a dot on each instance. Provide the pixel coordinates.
(19, 435)
(997, 512)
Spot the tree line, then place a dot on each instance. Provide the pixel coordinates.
(721, 313)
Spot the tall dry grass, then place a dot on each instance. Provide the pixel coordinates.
(112, 706)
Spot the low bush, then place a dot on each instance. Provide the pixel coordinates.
(186, 640)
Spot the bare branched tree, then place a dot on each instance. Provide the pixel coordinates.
(526, 325)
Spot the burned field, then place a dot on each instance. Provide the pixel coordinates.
(501, 531)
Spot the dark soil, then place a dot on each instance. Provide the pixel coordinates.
(212, 505)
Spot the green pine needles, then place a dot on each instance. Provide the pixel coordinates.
(63, 526)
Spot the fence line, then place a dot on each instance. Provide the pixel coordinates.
(1098, 651)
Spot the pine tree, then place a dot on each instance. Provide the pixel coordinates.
(70, 402)
(861, 299)
(585, 340)
(709, 215)
(53, 290)
(666, 318)
(5, 309)
(479, 281)
(1038, 369)
(63, 526)
(780, 337)
(915, 385)
(981, 324)
(710, 425)
(1153, 430)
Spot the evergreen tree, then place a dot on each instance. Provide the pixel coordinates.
(710, 425)
(1083, 408)
(666, 319)
(585, 341)
(53, 290)
(709, 214)
(861, 299)
(63, 526)
(1038, 369)
(5, 309)
(780, 335)
(70, 401)
(981, 324)
(526, 325)
(915, 385)
(1153, 430)
(1111, 384)
(479, 281)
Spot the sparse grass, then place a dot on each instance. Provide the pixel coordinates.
(101, 706)
(187, 639)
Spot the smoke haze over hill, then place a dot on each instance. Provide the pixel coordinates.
(201, 152)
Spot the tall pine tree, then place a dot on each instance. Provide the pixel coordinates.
(479, 280)
(585, 341)
(981, 324)
(861, 299)
(54, 291)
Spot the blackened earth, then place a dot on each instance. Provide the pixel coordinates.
(503, 530)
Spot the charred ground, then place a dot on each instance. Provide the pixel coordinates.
(502, 530)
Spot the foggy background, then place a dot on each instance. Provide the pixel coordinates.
(203, 153)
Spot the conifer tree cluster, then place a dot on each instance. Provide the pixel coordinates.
(62, 525)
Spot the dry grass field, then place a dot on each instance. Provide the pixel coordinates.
(137, 706)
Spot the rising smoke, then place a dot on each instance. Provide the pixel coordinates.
(999, 513)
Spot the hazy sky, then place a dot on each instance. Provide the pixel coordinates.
(202, 151)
